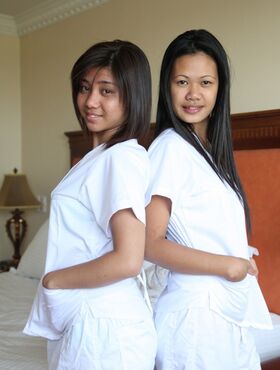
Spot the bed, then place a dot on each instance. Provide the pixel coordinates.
(257, 149)
(17, 290)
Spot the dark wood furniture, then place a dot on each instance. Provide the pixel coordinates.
(253, 130)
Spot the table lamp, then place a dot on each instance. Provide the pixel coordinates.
(17, 196)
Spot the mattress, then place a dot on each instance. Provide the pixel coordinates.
(268, 341)
(18, 351)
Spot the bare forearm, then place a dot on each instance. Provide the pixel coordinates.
(186, 260)
(96, 273)
(182, 259)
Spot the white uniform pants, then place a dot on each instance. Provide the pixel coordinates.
(200, 339)
(104, 344)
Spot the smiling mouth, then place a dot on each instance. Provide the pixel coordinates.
(92, 116)
(192, 109)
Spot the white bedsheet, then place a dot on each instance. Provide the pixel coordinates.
(268, 341)
(18, 351)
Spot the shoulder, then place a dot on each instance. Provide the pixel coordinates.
(168, 137)
(168, 143)
(169, 160)
(127, 156)
(128, 146)
(129, 149)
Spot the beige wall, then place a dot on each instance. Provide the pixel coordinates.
(249, 30)
(10, 120)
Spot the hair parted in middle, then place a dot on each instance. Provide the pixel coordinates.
(219, 125)
(131, 71)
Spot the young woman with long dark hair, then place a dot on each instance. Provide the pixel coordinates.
(196, 221)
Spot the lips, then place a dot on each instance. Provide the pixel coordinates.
(92, 116)
(192, 109)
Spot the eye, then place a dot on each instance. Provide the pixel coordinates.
(83, 89)
(107, 91)
(206, 82)
(181, 83)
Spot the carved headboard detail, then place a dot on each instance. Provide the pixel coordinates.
(256, 130)
(253, 130)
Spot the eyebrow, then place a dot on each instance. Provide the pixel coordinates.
(100, 82)
(182, 75)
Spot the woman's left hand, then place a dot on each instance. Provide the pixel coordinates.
(253, 269)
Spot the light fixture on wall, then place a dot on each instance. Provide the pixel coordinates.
(17, 196)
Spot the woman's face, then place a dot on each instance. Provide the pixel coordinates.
(100, 104)
(194, 86)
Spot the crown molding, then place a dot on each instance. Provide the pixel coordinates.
(7, 25)
(43, 15)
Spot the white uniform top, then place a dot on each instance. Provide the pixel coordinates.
(206, 215)
(102, 183)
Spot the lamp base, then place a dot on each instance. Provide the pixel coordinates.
(16, 229)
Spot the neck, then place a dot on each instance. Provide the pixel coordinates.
(205, 142)
(201, 133)
(104, 136)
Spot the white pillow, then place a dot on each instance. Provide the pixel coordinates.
(32, 262)
(156, 280)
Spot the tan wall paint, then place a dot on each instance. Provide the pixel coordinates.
(249, 30)
(10, 120)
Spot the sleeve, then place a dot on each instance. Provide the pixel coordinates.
(168, 168)
(119, 181)
(253, 251)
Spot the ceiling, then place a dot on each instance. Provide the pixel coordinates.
(18, 17)
(16, 7)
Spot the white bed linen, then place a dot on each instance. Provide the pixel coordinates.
(268, 341)
(18, 351)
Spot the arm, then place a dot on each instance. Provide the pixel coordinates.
(123, 262)
(176, 257)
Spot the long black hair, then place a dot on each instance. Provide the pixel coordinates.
(131, 70)
(219, 125)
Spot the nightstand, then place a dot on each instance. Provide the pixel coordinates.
(5, 265)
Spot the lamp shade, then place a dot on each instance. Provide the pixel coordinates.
(16, 193)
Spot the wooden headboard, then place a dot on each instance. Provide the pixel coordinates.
(253, 130)
(256, 140)
(257, 156)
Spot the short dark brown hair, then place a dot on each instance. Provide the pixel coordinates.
(131, 70)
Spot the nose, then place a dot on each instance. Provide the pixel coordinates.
(92, 100)
(193, 93)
